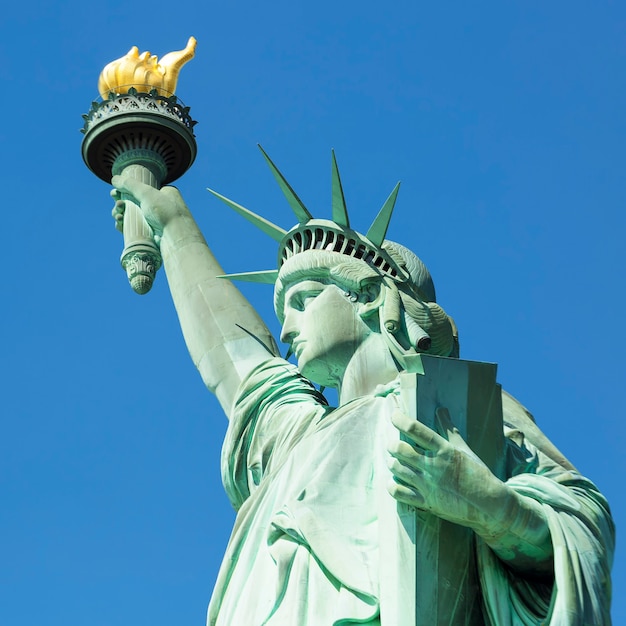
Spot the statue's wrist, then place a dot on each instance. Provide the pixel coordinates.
(521, 537)
(508, 516)
(513, 517)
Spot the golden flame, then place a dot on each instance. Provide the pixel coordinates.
(144, 71)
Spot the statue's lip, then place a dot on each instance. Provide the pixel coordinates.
(296, 348)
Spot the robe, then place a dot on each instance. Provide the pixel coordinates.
(308, 482)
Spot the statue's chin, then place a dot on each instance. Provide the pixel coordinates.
(319, 372)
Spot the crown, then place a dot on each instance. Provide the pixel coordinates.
(319, 234)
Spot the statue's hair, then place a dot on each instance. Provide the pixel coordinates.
(408, 314)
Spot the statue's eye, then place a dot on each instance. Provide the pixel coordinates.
(304, 299)
(308, 298)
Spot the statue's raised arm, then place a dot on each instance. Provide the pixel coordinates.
(225, 336)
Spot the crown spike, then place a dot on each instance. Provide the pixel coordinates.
(378, 229)
(340, 211)
(297, 206)
(267, 277)
(275, 232)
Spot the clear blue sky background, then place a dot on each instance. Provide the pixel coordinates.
(505, 122)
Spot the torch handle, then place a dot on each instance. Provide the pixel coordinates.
(141, 257)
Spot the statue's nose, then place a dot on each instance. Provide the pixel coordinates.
(289, 330)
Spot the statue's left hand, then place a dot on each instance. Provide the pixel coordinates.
(440, 473)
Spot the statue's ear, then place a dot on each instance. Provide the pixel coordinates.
(372, 298)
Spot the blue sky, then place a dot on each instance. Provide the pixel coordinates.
(505, 124)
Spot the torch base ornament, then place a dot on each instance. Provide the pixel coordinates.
(141, 261)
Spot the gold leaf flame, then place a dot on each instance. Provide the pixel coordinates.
(144, 72)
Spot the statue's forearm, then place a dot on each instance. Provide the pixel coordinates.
(225, 336)
(520, 536)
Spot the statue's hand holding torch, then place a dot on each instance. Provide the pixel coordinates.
(158, 206)
(140, 132)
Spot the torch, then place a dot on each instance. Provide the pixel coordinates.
(140, 128)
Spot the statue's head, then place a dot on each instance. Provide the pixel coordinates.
(388, 286)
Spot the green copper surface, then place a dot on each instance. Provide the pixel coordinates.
(275, 232)
(340, 211)
(267, 277)
(297, 206)
(378, 230)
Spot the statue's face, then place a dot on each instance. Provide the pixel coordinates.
(324, 329)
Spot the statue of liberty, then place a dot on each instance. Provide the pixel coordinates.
(316, 487)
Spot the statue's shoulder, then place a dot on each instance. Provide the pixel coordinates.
(518, 418)
(514, 412)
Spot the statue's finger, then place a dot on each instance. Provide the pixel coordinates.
(417, 432)
(118, 208)
(140, 191)
(405, 452)
(407, 474)
(117, 213)
(405, 494)
(449, 430)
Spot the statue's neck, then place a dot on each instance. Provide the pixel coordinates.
(371, 365)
